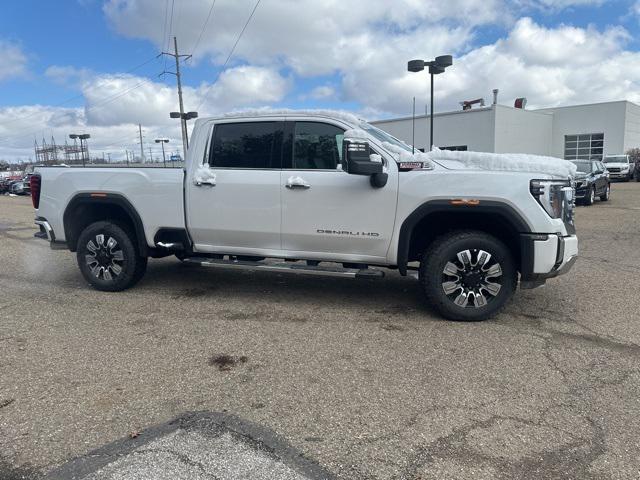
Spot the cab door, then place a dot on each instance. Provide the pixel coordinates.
(326, 212)
(233, 206)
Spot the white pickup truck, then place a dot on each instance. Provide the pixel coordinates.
(321, 193)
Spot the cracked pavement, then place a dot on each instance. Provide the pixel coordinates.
(358, 376)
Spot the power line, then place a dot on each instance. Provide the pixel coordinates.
(168, 38)
(164, 28)
(204, 97)
(203, 28)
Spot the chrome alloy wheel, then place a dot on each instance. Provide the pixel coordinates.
(470, 279)
(105, 258)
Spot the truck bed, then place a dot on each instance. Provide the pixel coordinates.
(155, 193)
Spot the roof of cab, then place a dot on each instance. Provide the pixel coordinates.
(345, 116)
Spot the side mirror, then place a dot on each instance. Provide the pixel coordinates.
(356, 158)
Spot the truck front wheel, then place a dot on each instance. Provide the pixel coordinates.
(468, 275)
(108, 257)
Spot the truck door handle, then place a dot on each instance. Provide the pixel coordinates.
(211, 182)
(297, 182)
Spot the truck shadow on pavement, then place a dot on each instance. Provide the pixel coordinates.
(393, 295)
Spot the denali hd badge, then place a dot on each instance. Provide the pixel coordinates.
(347, 233)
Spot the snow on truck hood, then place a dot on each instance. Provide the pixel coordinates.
(500, 162)
(465, 160)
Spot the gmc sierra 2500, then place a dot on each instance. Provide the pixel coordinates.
(319, 187)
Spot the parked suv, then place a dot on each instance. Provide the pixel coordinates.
(620, 167)
(592, 180)
(329, 194)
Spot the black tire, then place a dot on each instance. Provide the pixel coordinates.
(590, 196)
(607, 193)
(445, 250)
(108, 266)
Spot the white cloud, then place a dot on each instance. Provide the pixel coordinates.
(115, 104)
(323, 92)
(68, 76)
(551, 67)
(311, 37)
(358, 49)
(13, 60)
(558, 4)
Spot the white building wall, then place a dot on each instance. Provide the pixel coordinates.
(473, 128)
(505, 129)
(522, 131)
(632, 127)
(607, 118)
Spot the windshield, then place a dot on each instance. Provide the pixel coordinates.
(384, 136)
(615, 159)
(583, 167)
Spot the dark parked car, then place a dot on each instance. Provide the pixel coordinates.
(592, 180)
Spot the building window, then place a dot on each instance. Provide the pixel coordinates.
(586, 146)
(455, 148)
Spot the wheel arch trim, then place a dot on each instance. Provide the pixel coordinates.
(504, 210)
(103, 199)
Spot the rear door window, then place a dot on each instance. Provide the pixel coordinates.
(246, 145)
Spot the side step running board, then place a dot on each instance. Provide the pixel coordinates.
(287, 268)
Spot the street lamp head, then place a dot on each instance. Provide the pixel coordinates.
(84, 136)
(73, 136)
(190, 115)
(435, 69)
(162, 140)
(415, 65)
(174, 115)
(444, 61)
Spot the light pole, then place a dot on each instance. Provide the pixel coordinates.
(162, 141)
(183, 119)
(436, 67)
(81, 137)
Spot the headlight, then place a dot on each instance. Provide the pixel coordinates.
(555, 196)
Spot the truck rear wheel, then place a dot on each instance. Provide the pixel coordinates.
(468, 275)
(108, 258)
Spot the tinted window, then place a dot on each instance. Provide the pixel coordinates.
(317, 146)
(582, 166)
(245, 145)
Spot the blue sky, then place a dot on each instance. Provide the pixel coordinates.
(71, 55)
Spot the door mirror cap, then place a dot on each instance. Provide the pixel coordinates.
(356, 158)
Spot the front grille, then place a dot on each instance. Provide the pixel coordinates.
(613, 169)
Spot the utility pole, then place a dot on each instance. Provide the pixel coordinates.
(126, 152)
(150, 154)
(141, 144)
(183, 121)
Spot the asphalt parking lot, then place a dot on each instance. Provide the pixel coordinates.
(357, 379)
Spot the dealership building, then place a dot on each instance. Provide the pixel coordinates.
(573, 132)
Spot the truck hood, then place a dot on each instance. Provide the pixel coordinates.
(495, 162)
